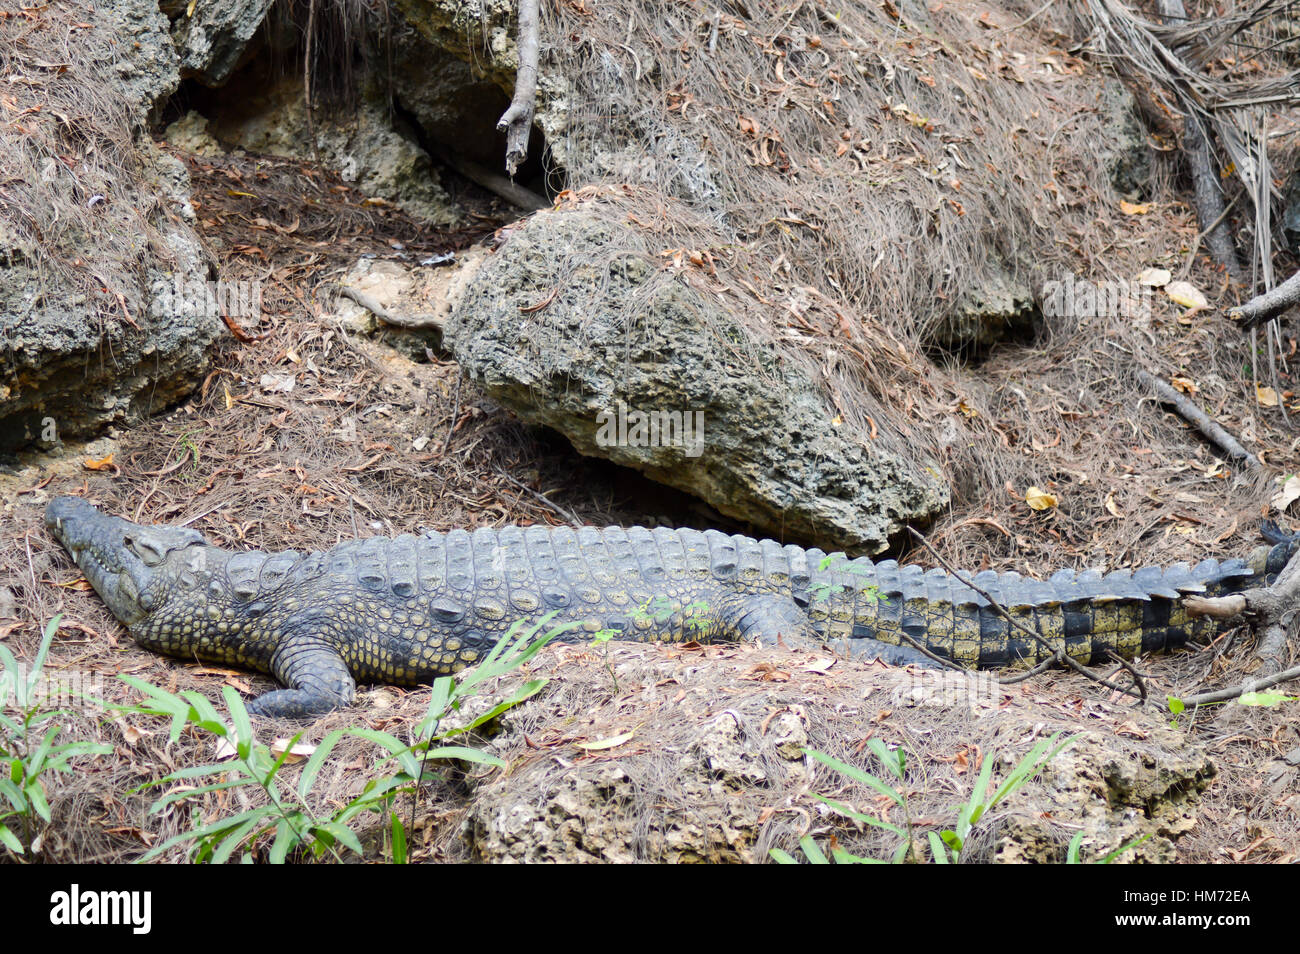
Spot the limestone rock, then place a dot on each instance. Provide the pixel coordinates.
(573, 326)
(86, 337)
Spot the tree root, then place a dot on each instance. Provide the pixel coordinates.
(1275, 612)
(517, 121)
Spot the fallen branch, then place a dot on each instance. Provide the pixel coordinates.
(564, 512)
(424, 320)
(1206, 193)
(1268, 305)
(1194, 415)
(1250, 685)
(1200, 237)
(1208, 198)
(517, 121)
(495, 182)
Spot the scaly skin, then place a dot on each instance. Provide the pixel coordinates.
(405, 610)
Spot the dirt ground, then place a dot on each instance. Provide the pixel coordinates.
(303, 435)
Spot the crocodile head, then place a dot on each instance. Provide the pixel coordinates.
(127, 563)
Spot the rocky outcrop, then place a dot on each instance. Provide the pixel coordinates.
(211, 36)
(573, 325)
(404, 305)
(1127, 157)
(645, 753)
(1001, 307)
(92, 244)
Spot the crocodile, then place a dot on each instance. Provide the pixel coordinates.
(407, 609)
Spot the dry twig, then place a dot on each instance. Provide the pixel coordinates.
(1194, 415)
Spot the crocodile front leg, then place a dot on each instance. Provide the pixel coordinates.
(320, 679)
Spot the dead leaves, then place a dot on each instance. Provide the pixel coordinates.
(1039, 499)
(612, 742)
(1288, 494)
(1187, 295)
(102, 463)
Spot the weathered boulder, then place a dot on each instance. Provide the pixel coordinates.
(609, 143)
(90, 243)
(455, 105)
(573, 325)
(405, 305)
(1126, 155)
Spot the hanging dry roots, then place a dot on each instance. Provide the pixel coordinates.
(517, 121)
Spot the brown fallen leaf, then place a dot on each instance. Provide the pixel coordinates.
(1187, 295)
(820, 665)
(1289, 493)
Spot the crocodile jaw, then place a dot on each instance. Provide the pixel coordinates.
(125, 562)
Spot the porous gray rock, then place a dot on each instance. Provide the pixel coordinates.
(87, 336)
(360, 143)
(707, 756)
(211, 36)
(1000, 307)
(573, 325)
(1127, 156)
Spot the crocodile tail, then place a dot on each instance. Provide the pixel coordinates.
(1267, 562)
(1085, 613)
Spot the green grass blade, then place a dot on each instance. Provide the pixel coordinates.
(10, 840)
(465, 754)
(239, 717)
(812, 851)
(399, 840)
(857, 775)
(937, 850)
(221, 854)
(316, 762)
(343, 834)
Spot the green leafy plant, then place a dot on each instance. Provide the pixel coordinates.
(29, 748)
(946, 845)
(976, 806)
(602, 639)
(286, 821)
(893, 759)
(1267, 700)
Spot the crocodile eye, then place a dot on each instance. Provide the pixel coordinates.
(147, 552)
